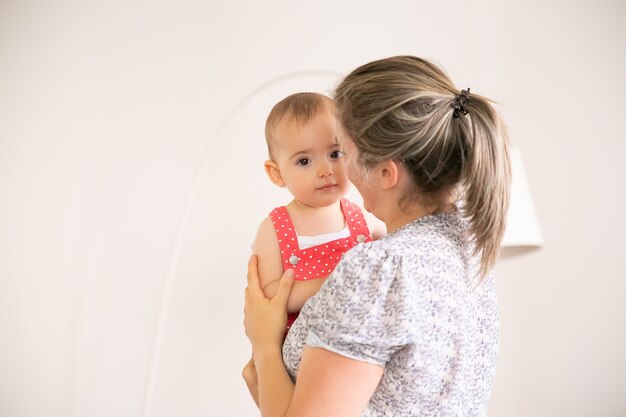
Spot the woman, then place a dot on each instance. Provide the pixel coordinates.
(406, 325)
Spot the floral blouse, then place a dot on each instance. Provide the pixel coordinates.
(410, 302)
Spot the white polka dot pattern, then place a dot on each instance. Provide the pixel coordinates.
(328, 254)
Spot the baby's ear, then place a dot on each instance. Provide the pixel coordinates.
(273, 172)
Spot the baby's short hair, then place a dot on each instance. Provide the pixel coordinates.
(299, 108)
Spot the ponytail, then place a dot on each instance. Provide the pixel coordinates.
(406, 109)
(485, 179)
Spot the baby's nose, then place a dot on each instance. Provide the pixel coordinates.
(325, 171)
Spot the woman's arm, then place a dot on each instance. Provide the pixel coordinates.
(265, 320)
(328, 384)
(275, 386)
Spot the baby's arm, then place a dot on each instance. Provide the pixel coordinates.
(270, 268)
(270, 265)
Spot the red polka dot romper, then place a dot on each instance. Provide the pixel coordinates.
(316, 261)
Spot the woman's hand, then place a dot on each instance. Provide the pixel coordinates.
(265, 319)
(252, 380)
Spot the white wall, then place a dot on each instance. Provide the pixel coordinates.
(131, 186)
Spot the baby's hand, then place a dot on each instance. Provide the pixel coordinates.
(252, 381)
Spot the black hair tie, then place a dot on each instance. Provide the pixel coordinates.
(459, 103)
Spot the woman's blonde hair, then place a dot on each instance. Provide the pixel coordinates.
(406, 109)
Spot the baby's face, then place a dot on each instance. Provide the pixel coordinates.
(311, 160)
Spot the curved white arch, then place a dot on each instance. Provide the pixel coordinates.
(183, 224)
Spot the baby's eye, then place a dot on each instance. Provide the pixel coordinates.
(336, 154)
(303, 162)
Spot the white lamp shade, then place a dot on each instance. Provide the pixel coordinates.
(522, 229)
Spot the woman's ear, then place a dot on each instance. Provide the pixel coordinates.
(273, 172)
(388, 173)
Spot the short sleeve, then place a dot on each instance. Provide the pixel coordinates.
(364, 310)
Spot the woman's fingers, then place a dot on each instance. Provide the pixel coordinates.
(265, 320)
(254, 286)
(284, 288)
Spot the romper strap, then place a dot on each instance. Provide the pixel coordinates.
(285, 232)
(355, 219)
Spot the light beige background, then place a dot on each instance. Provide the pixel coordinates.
(131, 186)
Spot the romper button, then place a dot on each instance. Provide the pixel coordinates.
(293, 259)
(360, 238)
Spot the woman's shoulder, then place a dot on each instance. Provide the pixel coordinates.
(368, 253)
(432, 231)
(367, 265)
(420, 236)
